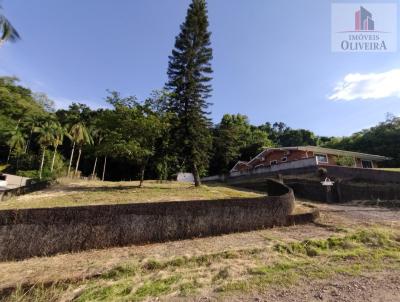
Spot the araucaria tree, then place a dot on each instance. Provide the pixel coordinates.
(189, 73)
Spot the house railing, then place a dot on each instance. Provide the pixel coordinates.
(296, 164)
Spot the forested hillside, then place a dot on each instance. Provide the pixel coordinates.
(383, 139)
(134, 137)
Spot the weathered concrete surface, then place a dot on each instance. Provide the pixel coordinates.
(36, 232)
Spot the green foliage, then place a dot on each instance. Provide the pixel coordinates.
(79, 134)
(322, 172)
(156, 287)
(382, 139)
(7, 31)
(346, 161)
(359, 241)
(31, 171)
(17, 141)
(189, 73)
(132, 130)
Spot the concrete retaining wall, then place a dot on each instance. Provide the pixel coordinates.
(37, 232)
(31, 187)
(374, 175)
(292, 165)
(15, 181)
(310, 165)
(345, 191)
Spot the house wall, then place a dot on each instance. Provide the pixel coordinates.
(292, 155)
(241, 167)
(278, 155)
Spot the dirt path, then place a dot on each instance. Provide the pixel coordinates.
(375, 287)
(354, 215)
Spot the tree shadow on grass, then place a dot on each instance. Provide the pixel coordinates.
(107, 189)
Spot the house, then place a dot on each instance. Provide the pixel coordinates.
(323, 156)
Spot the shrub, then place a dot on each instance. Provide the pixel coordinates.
(345, 161)
(322, 172)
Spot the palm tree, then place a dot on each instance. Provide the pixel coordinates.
(7, 31)
(58, 132)
(45, 139)
(97, 136)
(80, 136)
(16, 142)
(30, 123)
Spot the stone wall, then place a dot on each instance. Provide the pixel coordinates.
(6, 194)
(38, 232)
(373, 175)
(344, 191)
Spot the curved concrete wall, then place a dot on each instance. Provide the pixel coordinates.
(37, 232)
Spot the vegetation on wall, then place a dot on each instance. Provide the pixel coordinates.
(345, 161)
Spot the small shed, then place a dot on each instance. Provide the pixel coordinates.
(185, 177)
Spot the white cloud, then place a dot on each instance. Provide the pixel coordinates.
(368, 86)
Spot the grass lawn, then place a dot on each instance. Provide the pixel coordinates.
(79, 192)
(391, 169)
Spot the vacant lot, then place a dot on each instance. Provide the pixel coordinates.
(351, 254)
(79, 192)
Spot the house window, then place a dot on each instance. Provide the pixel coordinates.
(366, 164)
(322, 158)
(273, 162)
(284, 159)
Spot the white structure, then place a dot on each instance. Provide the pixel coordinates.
(185, 177)
(10, 181)
(3, 182)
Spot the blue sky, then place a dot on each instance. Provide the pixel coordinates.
(272, 59)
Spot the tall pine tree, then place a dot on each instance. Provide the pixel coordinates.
(189, 73)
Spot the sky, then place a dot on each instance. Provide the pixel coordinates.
(272, 59)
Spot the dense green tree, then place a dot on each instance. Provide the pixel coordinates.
(258, 140)
(16, 142)
(189, 73)
(45, 139)
(230, 136)
(383, 139)
(133, 130)
(79, 135)
(163, 160)
(235, 139)
(297, 137)
(58, 138)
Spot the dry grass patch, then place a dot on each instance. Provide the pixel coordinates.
(281, 265)
(79, 192)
